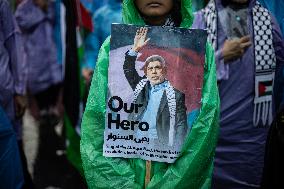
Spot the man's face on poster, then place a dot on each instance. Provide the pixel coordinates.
(156, 72)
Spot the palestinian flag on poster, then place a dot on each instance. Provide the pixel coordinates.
(74, 88)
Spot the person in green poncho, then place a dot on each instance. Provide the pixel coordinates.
(194, 167)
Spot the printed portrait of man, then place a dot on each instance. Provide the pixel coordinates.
(161, 105)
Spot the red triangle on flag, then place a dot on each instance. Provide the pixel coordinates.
(261, 89)
(84, 18)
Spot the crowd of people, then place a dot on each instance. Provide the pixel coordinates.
(237, 139)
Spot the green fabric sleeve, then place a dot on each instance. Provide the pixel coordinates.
(192, 170)
(101, 172)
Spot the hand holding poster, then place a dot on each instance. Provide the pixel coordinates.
(154, 86)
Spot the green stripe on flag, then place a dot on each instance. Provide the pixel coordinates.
(73, 146)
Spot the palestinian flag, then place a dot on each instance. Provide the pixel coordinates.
(84, 18)
(265, 88)
(76, 17)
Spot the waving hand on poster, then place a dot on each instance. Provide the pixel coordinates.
(140, 39)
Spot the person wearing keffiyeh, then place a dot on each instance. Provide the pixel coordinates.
(249, 56)
(162, 106)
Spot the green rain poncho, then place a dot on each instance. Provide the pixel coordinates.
(192, 169)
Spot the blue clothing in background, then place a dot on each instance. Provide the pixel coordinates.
(93, 5)
(197, 5)
(11, 173)
(13, 68)
(41, 53)
(276, 7)
(102, 20)
(57, 31)
(12, 75)
(239, 156)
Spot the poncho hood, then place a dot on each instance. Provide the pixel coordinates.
(131, 15)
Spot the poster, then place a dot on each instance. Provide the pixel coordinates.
(155, 80)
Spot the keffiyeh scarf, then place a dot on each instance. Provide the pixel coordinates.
(265, 58)
(171, 98)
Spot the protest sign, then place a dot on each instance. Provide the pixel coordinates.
(154, 88)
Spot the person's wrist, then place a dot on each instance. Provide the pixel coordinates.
(131, 52)
(135, 50)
